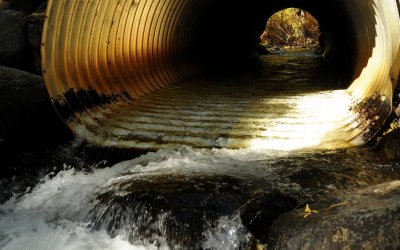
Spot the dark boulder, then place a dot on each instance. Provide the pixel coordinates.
(389, 146)
(186, 206)
(27, 116)
(177, 207)
(26, 6)
(35, 35)
(13, 38)
(259, 214)
(34, 38)
(36, 62)
(35, 27)
(364, 219)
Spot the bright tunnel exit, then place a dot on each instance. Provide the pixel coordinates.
(292, 28)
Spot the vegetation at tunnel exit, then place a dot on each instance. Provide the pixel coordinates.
(291, 28)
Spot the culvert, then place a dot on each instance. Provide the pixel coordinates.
(115, 69)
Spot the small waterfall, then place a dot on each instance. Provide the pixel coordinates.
(186, 198)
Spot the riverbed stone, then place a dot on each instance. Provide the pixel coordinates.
(183, 206)
(34, 38)
(364, 219)
(35, 35)
(36, 62)
(13, 38)
(258, 214)
(389, 146)
(180, 205)
(27, 116)
(25, 6)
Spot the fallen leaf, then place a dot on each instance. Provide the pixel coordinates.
(308, 211)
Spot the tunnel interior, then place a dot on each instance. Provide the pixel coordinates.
(100, 57)
(229, 35)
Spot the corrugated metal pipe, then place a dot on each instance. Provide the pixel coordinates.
(100, 56)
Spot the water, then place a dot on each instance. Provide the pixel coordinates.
(54, 215)
(58, 212)
(290, 102)
(183, 198)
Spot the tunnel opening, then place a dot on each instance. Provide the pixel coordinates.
(230, 35)
(123, 83)
(291, 30)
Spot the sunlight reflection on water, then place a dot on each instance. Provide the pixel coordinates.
(316, 120)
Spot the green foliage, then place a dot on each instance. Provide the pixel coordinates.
(291, 28)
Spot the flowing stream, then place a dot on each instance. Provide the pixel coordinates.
(185, 198)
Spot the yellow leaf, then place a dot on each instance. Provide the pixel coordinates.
(308, 211)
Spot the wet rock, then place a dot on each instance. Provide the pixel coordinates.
(27, 116)
(22, 5)
(173, 207)
(36, 62)
(256, 245)
(259, 214)
(35, 35)
(34, 38)
(26, 6)
(13, 40)
(181, 206)
(363, 219)
(389, 146)
(35, 27)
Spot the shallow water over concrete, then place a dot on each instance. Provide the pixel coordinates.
(289, 101)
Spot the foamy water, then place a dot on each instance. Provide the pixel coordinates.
(54, 214)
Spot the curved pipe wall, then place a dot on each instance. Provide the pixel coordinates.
(101, 52)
